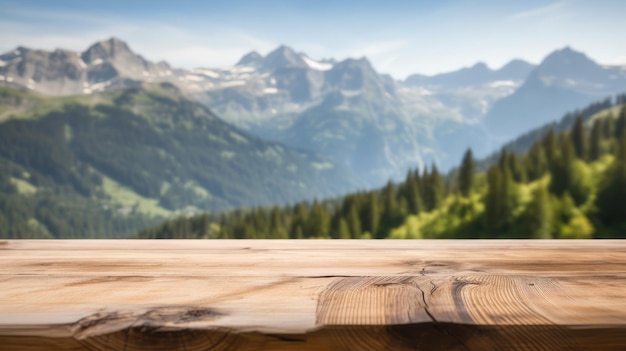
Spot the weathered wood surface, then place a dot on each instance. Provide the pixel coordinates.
(312, 295)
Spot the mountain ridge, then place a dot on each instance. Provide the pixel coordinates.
(272, 96)
(565, 80)
(477, 74)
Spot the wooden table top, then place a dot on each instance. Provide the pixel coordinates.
(312, 294)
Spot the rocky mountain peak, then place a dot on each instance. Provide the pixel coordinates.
(515, 65)
(283, 56)
(516, 70)
(252, 58)
(353, 74)
(14, 54)
(481, 67)
(21, 50)
(107, 49)
(352, 63)
(570, 64)
(566, 57)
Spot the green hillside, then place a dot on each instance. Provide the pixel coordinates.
(570, 184)
(137, 156)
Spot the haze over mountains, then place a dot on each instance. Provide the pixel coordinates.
(564, 80)
(376, 126)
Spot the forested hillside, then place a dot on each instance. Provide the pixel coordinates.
(107, 164)
(570, 184)
(523, 143)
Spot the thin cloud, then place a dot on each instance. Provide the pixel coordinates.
(539, 11)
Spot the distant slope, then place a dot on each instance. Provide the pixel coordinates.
(478, 74)
(151, 145)
(565, 80)
(600, 109)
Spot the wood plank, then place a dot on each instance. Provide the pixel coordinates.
(312, 295)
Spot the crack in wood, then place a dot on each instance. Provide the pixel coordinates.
(105, 322)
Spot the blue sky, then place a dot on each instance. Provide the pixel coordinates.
(400, 37)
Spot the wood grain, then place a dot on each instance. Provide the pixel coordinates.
(312, 295)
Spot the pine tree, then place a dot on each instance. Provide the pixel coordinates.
(517, 168)
(579, 139)
(503, 161)
(375, 213)
(403, 209)
(423, 186)
(536, 162)
(434, 189)
(389, 217)
(344, 231)
(249, 232)
(502, 198)
(538, 215)
(620, 124)
(561, 169)
(612, 192)
(509, 193)
(259, 222)
(300, 216)
(318, 222)
(371, 214)
(567, 175)
(550, 145)
(608, 126)
(299, 233)
(595, 140)
(493, 200)
(412, 194)
(354, 223)
(466, 173)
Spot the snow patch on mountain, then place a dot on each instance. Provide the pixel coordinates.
(232, 83)
(351, 93)
(239, 69)
(207, 72)
(193, 78)
(503, 83)
(318, 66)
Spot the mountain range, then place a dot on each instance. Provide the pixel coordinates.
(374, 125)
